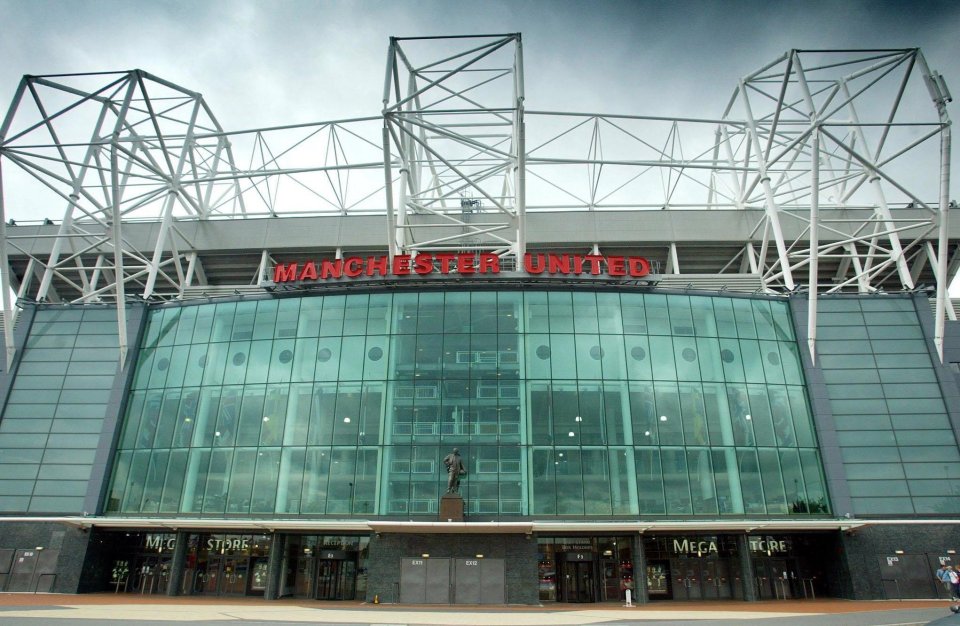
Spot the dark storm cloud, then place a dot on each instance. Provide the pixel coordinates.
(268, 63)
(261, 63)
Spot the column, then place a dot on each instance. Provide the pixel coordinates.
(640, 595)
(748, 576)
(177, 564)
(274, 566)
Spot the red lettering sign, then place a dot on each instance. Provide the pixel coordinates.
(464, 263)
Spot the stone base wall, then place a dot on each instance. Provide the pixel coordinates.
(64, 552)
(896, 560)
(518, 551)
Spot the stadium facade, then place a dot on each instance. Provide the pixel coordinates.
(681, 358)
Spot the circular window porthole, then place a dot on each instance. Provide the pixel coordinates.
(286, 356)
(689, 355)
(774, 358)
(163, 364)
(239, 358)
(543, 352)
(324, 355)
(726, 356)
(638, 353)
(596, 352)
(375, 353)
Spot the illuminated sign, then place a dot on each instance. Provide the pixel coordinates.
(769, 545)
(160, 542)
(694, 546)
(465, 263)
(230, 543)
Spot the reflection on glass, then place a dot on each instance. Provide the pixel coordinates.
(562, 403)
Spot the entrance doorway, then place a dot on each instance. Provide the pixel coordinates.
(326, 578)
(227, 565)
(150, 575)
(585, 569)
(776, 578)
(324, 567)
(577, 580)
(702, 579)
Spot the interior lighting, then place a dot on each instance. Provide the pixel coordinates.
(479, 556)
(747, 417)
(663, 418)
(425, 555)
(266, 419)
(570, 434)
(346, 420)
(898, 551)
(578, 419)
(646, 433)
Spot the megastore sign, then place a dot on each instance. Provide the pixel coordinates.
(465, 263)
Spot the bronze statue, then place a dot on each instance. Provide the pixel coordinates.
(455, 470)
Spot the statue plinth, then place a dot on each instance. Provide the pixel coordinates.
(451, 508)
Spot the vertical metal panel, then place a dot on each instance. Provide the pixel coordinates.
(467, 581)
(24, 563)
(438, 581)
(493, 581)
(413, 581)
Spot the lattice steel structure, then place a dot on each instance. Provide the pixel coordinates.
(827, 171)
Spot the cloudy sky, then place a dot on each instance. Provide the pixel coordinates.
(261, 63)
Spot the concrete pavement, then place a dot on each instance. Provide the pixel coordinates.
(53, 608)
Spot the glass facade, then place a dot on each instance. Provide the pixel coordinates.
(898, 447)
(54, 415)
(562, 403)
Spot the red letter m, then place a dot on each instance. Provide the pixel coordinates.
(284, 272)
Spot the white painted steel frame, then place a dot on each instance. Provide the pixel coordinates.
(453, 164)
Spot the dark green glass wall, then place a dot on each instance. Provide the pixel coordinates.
(55, 412)
(898, 448)
(562, 403)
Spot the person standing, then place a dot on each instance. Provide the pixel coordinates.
(951, 581)
(940, 575)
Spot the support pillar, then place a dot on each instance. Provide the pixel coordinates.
(278, 546)
(177, 564)
(748, 576)
(640, 592)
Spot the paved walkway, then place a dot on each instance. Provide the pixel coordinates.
(52, 607)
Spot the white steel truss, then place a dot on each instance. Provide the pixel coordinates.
(453, 111)
(840, 152)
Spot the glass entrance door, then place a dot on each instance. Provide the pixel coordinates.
(775, 578)
(578, 583)
(716, 581)
(702, 579)
(208, 575)
(234, 576)
(151, 575)
(686, 579)
(335, 580)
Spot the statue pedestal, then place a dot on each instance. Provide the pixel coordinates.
(451, 508)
